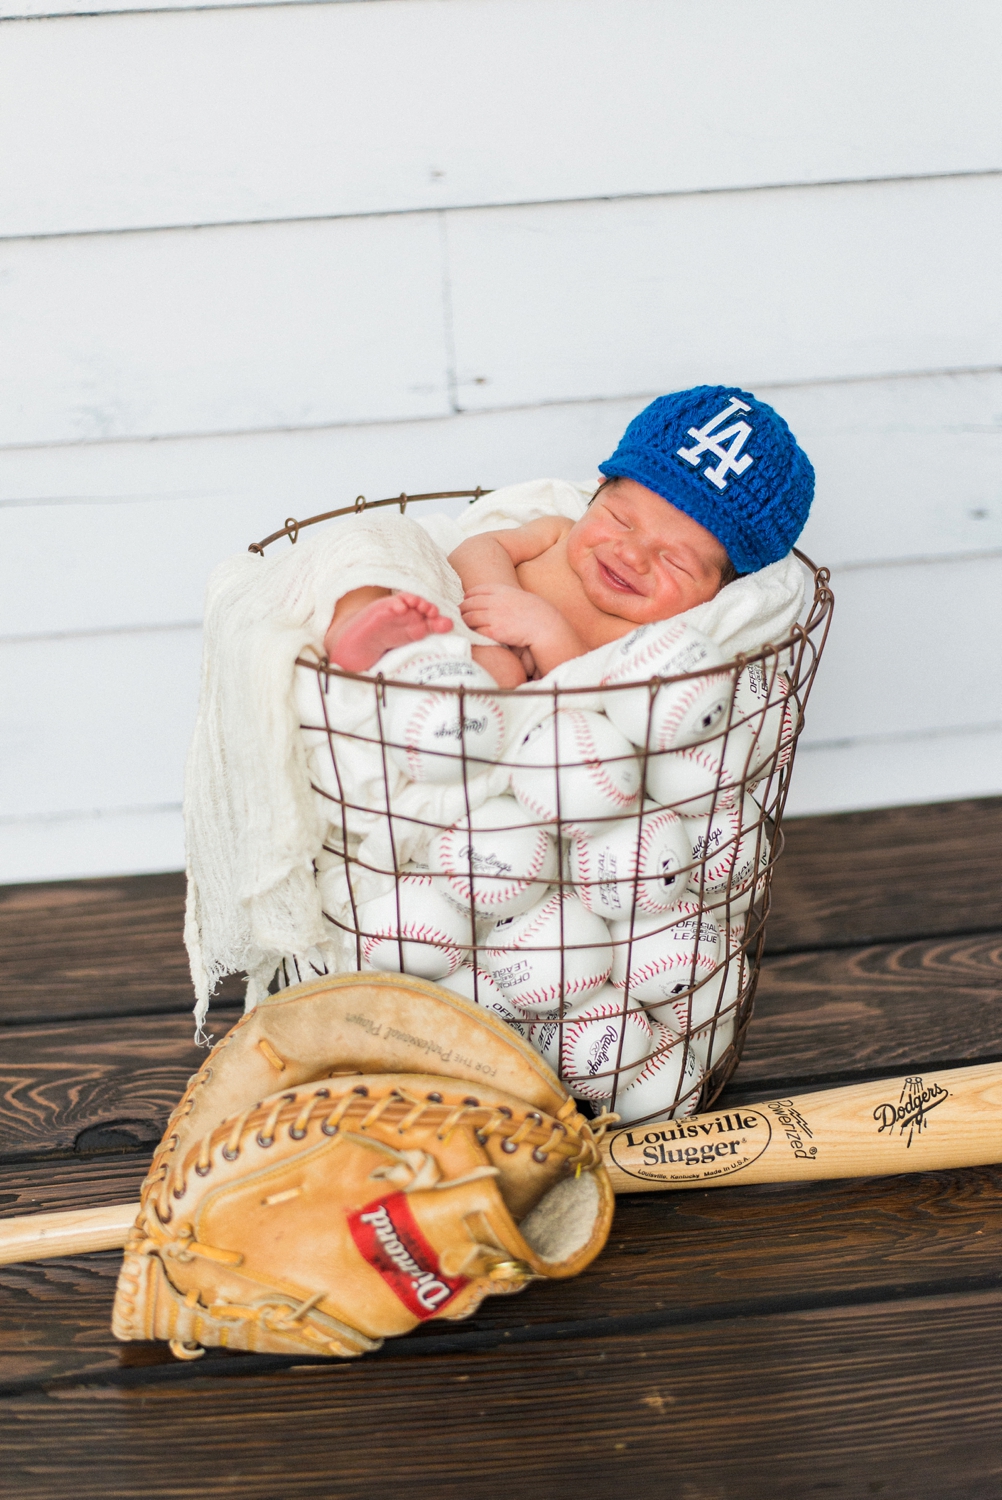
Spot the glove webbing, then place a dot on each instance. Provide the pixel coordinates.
(544, 1134)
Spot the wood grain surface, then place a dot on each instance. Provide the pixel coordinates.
(113, 947)
(899, 872)
(834, 1402)
(838, 1339)
(100, 1085)
(49, 1184)
(79, 948)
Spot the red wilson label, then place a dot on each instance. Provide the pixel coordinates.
(387, 1235)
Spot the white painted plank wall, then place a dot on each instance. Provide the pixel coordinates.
(389, 288)
(177, 332)
(779, 286)
(368, 108)
(185, 331)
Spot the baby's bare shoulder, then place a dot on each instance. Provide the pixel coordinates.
(523, 543)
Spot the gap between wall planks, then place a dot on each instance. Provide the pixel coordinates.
(865, 1307)
(310, 323)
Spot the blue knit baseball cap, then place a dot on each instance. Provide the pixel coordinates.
(729, 461)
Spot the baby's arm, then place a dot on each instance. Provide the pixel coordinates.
(493, 556)
(482, 559)
(498, 606)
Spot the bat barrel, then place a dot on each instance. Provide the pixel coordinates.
(919, 1123)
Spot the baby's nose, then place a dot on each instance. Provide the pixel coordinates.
(634, 553)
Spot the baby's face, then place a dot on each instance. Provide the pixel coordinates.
(641, 559)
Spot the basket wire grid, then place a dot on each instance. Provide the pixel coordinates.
(710, 1004)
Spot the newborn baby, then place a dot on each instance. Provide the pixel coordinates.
(705, 484)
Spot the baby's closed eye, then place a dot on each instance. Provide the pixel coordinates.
(677, 564)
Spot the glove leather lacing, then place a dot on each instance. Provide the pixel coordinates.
(544, 1134)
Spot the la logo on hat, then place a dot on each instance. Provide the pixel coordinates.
(708, 440)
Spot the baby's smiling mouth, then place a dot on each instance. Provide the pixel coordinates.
(613, 580)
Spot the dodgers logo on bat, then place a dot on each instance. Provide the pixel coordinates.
(696, 1151)
(910, 1116)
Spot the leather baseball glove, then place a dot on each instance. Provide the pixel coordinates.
(358, 1155)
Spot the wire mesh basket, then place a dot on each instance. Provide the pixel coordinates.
(603, 886)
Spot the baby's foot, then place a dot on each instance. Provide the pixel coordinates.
(394, 621)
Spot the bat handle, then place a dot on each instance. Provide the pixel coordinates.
(75, 1232)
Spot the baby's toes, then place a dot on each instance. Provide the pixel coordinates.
(417, 604)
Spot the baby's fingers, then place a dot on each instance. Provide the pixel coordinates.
(481, 623)
(472, 607)
(481, 592)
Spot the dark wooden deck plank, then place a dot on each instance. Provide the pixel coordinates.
(687, 1254)
(92, 1085)
(56, 1185)
(835, 1403)
(96, 947)
(897, 872)
(113, 947)
(763, 1346)
(849, 1011)
(95, 1085)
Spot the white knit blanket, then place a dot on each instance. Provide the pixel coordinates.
(253, 827)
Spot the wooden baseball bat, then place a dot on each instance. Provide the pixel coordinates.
(920, 1123)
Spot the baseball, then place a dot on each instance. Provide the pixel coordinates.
(760, 703)
(423, 731)
(495, 859)
(669, 953)
(598, 775)
(545, 1037)
(739, 957)
(598, 1040)
(712, 1042)
(729, 849)
(704, 777)
(640, 861)
(667, 1086)
(554, 949)
(674, 713)
(413, 929)
(734, 935)
(478, 986)
(686, 1010)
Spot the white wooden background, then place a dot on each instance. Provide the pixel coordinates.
(256, 259)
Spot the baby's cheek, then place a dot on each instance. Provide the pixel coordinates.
(659, 609)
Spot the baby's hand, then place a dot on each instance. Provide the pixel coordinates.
(508, 614)
(523, 621)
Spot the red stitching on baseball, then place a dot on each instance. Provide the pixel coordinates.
(498, 891)
(656, 645)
